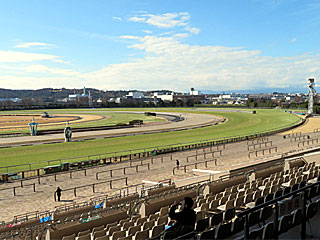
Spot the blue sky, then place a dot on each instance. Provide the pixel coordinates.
(167, 44)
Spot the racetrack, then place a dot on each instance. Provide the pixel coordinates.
(191, 120)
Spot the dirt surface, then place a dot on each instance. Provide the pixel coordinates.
(234, 155)
(311, 124)
(16, 121)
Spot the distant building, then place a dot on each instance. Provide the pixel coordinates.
(135, 95)
(193, 92)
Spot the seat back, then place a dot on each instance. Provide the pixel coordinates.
(83, 233)
(118, 234)
(202, 224)
(132, 230)
(267, 232)
(114, 229)
(141, 235)
(99, 234)
(148, 225)
(70, 237)
(156, 230)
(85, 237)
(223, 231)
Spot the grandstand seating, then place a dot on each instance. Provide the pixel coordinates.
(217, 209)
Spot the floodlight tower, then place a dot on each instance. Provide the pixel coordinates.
(312, 93)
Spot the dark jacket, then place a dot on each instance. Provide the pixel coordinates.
(186, 217)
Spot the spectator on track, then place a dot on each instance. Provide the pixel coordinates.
(58, 192)
(184, 220)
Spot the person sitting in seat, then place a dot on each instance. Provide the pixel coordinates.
(184, 220)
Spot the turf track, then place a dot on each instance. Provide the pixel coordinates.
(238, 123)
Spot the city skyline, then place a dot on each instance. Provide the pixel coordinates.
(147, 45)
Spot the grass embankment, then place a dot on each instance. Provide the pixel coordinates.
(237, 124)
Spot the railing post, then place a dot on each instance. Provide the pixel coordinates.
(93, 188)
(21, 184)
(70, 174)
(304, 216)
(55, 177)
(246, 227)
(85, 172)
(275, 221)
(14, 191)
(110, 184)
(39, 179)
(34, 187)
(110, 172)
(75, 191)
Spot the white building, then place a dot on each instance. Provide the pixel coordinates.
(135, 95)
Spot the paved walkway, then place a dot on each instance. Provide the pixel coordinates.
(191, 120)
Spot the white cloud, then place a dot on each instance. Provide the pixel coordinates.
(45, 69)
(12, 56)
(34, 44)
(117, 18)
(170, 64)
(193, 30)
(166, 20)
(147, 31)
(129, 37)
(293, 40)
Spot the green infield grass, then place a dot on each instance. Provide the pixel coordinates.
(238, 123)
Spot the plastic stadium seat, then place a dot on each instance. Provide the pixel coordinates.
(265, 213)
(286, 190)
(313, 192)
(156, 230)
(223, 231)
(111, 225)
(118, 234)
(297, 216)
(237, 225)
(269, 197)
(99, 234)
(312, 210)
(254, 218)
(132, 230)
(202, 224)
(102, 238)
(96, 229)
(207, 235)
(267, 232)
(278, 193)
(259, 201)
(229, 214)
(114, 229)
(126, 225)
(285, 223)
(70, 237)
(126, 238)
(141, 235)
(295, 187)
(256, 234)
(162, 220)
(140, 221)
(216, 219)
(83, 233)
(164, 211)
(148, 225)
(85, 237)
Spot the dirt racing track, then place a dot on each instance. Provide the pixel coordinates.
(189, 121)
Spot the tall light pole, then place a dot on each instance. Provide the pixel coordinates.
(312, 93)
